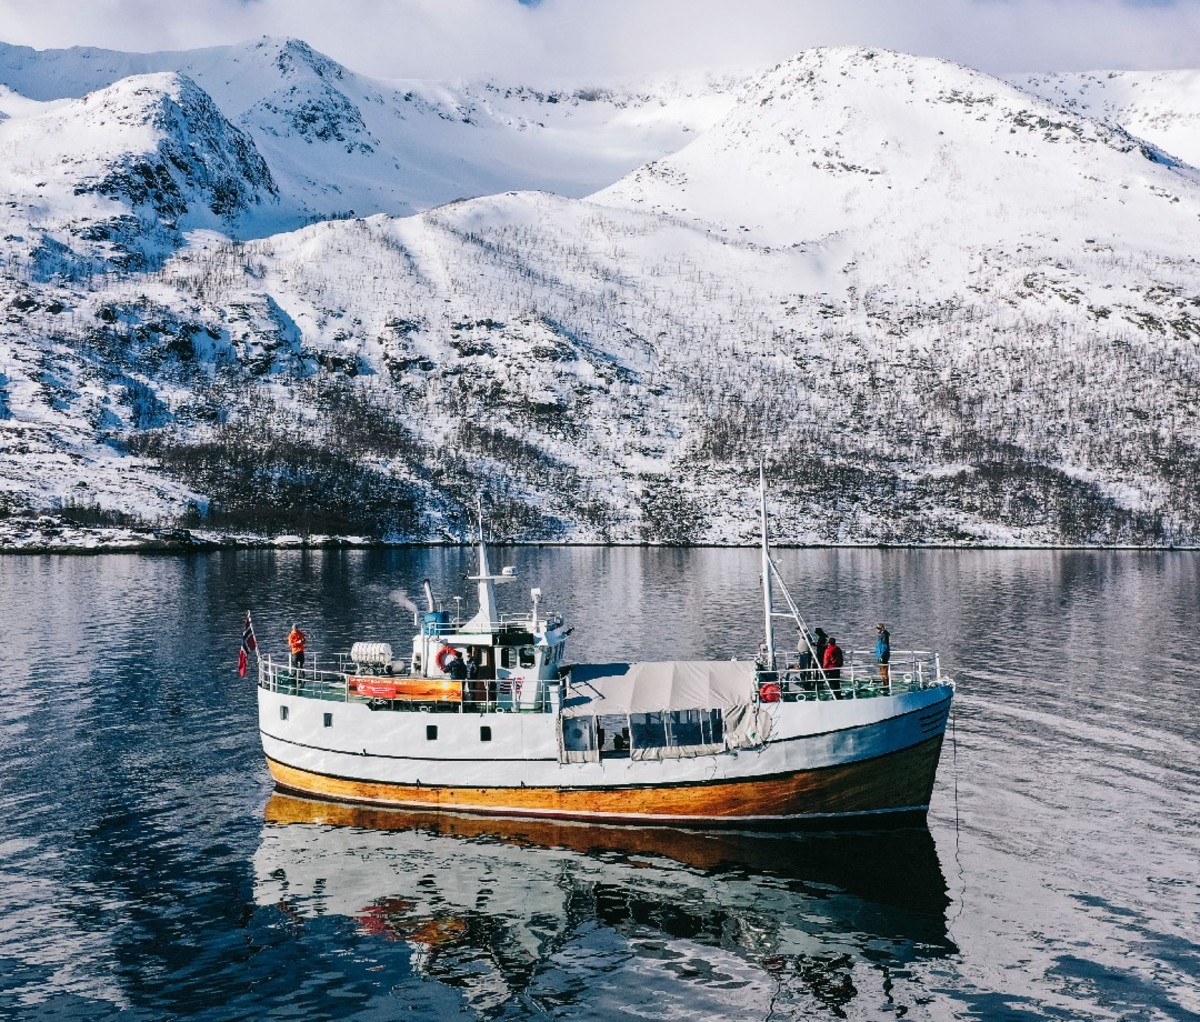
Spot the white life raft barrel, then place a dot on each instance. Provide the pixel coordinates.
(371, 654)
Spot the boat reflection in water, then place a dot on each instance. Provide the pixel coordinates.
(549, 913)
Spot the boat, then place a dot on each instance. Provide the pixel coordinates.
(763, 742)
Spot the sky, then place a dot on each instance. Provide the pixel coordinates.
(601, 40)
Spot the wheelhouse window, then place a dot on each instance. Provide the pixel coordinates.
(579, 734)
(664, 734)
(648, 730)
(676, 729)
(695, 727)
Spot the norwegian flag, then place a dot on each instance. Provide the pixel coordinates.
(249, 645)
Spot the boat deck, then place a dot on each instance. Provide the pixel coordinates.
(337, 679)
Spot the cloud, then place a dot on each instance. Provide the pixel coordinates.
(603, 39)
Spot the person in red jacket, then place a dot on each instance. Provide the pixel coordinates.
(833, 666)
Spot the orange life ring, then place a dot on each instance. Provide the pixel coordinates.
(444, 656)
(770, 692)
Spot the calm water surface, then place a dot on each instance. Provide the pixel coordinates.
(147, 872)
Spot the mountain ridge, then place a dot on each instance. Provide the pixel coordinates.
(301, 107)
(948, 311)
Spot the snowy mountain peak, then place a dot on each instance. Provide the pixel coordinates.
(294, 56)
(120, 174)
(201, 162)
(849, 139)
(341, 144)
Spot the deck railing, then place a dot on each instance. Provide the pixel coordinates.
(335, 678)
(861, 677)
(508, 621)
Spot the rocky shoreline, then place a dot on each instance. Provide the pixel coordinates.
(47, 535)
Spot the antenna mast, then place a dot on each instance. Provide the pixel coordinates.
(768, 607)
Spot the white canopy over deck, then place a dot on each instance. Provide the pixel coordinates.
(597, 689)
(673, 692)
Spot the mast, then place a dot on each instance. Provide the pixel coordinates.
(487, 615)
(768, 607)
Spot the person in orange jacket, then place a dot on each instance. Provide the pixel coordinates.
(296, 641)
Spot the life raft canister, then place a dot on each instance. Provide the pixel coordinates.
(770, 692)
(444, 656)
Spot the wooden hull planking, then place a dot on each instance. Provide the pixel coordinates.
(896, 784)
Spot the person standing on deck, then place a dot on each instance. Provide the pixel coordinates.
(806, 662)
(820, 642)
(296, 642)
(833, 666)
(883, 652)
(475, 691)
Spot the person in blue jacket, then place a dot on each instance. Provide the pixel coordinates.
(883, 651)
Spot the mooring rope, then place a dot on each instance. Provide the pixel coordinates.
(957, 830)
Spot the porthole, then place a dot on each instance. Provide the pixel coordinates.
(283, 713)
(329, 720)
(431, 732)
(485, 733)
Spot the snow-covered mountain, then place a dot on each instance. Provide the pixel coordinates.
(130, 167)
(844, 143)
(949, 308)
(1162, 106)
(340, 144)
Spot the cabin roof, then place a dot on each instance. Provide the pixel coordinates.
(597, 689)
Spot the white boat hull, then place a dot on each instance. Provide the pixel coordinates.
(826, 760)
